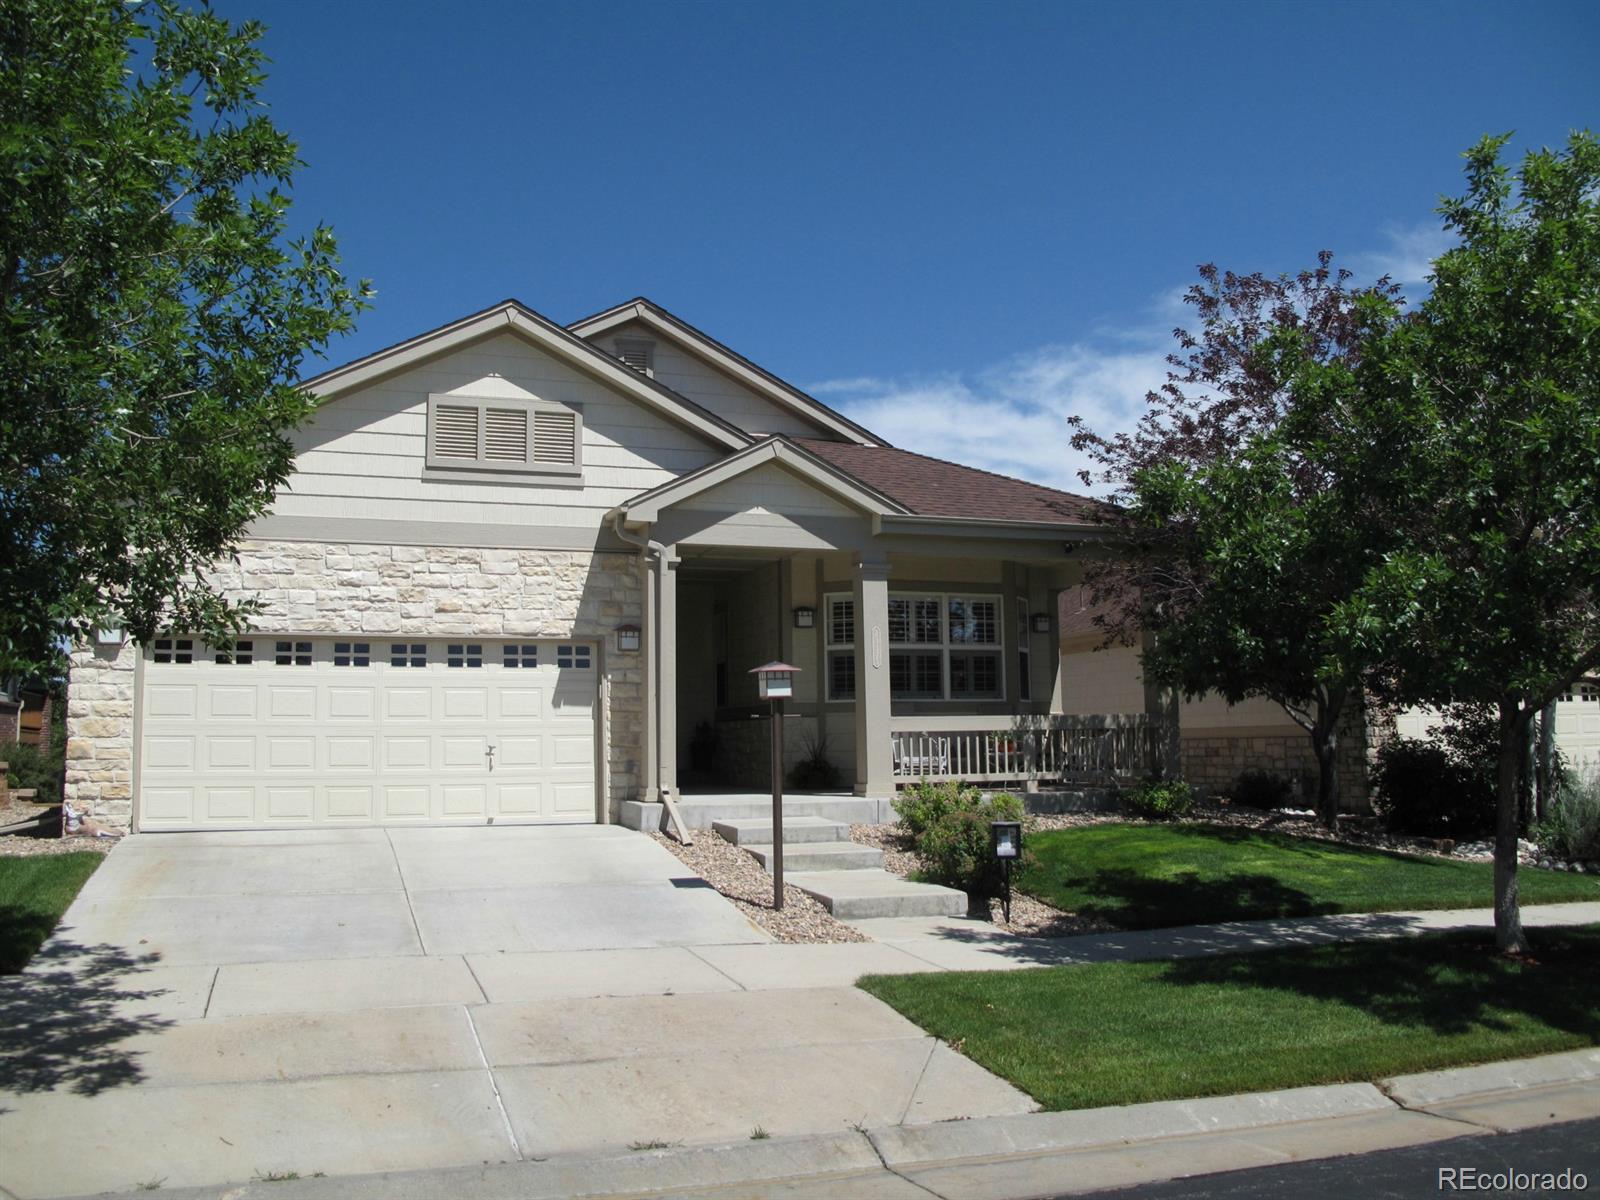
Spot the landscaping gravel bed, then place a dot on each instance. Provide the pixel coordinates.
(15, 846)
(734, 874)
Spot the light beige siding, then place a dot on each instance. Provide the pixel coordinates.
(361, 456)
(711, 388)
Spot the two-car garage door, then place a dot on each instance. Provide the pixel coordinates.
(346, 731)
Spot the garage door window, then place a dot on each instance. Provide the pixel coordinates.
(402, 654)
(243, 653)
(526, 655)
(461, 654)
(292, 654)
(352, 654)
(173, 650)
(576, 657)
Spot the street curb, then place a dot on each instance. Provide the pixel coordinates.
(831, 1162)
(1440, 1087)
(1087, 1128)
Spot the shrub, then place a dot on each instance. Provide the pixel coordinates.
(815, 771)
(954, 847)
(1258, 788)
(36, 767)
(1159, 799)
(920, 805)
(1571, 830)
(1426, 789)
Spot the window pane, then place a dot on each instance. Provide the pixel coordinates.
(841, 622)
(899, 620)
(975, 674)
(916, 676)
(927, 631)
(974, 622)
(842, 676)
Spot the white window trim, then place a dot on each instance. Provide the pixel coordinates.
(943, 647)
(528, 467)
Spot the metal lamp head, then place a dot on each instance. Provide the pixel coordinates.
(775, 680)
(1005, 839)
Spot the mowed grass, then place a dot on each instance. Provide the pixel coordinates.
(1149, 876)
(1125, 1033)
(34, 892)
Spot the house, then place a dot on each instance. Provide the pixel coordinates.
(521, 573)
(1219, 741)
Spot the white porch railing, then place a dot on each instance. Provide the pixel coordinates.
(1098, 749)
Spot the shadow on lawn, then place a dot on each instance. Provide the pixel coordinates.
(1133, 900)
(1457, 984)
(64, 1019)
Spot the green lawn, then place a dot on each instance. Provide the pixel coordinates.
(34, 892)
(1148, 876)
(1124, 1033)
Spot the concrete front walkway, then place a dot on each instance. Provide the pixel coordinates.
(218, 1007)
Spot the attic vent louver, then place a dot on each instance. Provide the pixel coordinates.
(455, 431)
(555, 437)
(637, 353)
(505, 435)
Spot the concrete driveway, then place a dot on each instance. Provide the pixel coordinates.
(217, 1007)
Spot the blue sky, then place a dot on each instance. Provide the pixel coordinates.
(958, 222)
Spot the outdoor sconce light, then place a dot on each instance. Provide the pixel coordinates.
(1005, 839)
(1041, 622)
(108, 637)
(627, 637)
(805, 617)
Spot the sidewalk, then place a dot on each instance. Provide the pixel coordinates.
(1002, 1158)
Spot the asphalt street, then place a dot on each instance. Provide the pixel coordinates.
(1408, 1173)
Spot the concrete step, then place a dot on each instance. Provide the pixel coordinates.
(820, 856)
(795, 829)
(703, 812)
(850, 895)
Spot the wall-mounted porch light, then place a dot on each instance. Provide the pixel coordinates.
(1041, 622)
(628, 637)
(108, 637)
(805, 617)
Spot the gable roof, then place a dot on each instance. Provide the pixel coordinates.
(932, 487)
(703, 345)
(516, 317)
(647, 506)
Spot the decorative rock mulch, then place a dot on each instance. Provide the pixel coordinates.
(24, 846)
(734, 874)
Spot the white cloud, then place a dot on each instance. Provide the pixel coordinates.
(1406, 257)
(1011, 417)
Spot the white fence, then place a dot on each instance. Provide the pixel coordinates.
(1101, 749)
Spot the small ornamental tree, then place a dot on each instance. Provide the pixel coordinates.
(1236, 544)
(153, 316)
(1481, 419)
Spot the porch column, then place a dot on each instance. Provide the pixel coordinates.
(1161, 704)
(649, 790)
(667, 672)
(874, 765)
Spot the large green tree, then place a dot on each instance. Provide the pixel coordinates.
(154, 315)
(1237, 544)
(1479, 420)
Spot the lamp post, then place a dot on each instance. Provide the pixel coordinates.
(1005, 838)
(776, 683)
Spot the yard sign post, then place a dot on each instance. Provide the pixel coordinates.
(776, 681)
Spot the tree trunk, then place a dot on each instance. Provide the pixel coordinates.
(1547, 760)
(1325, 741)
(1507, 914)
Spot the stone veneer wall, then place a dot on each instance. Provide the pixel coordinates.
(433, 591)
(1214, 760)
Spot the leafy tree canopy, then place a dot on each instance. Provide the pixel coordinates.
(154, 316)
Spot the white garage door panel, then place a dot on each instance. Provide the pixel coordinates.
(227, 745)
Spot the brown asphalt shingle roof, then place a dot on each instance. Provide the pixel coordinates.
(931, 487)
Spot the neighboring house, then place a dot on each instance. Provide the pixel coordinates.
(521, 573)
(1219, 741)
(25, 712)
